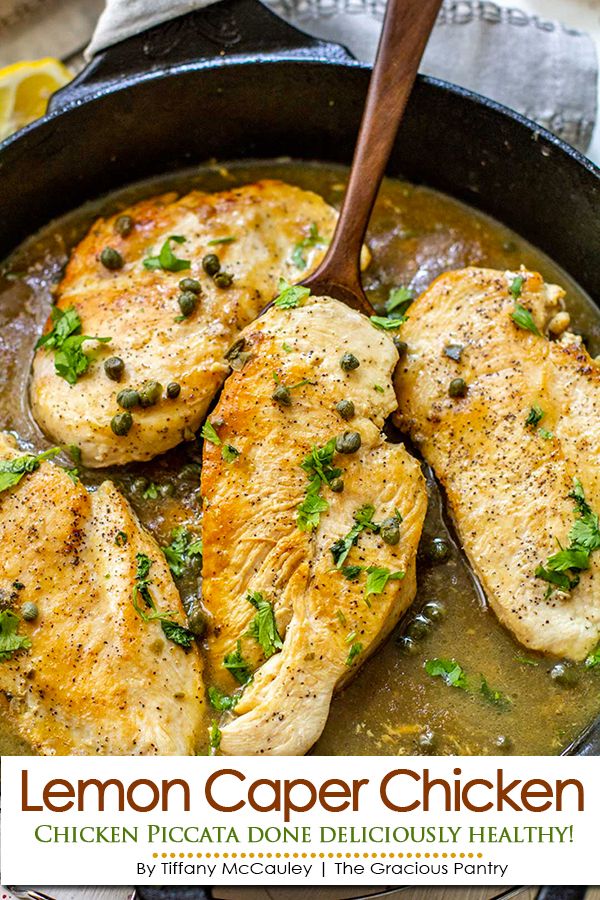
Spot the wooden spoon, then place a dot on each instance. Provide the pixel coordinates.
(406, 29)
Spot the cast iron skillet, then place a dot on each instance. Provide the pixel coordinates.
(234, 81)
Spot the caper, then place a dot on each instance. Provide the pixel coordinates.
(407, 645)
(390, 530)
(190, 284)
(438, 550)
(503, 743)
(121, 423)
(223, 280)
(29, 611)
(173, 390)
(419, 627)
(150, 393)
(167, 489)
(188, 301)
(197, 620)
(111, 259)
(427, 741)
(345, 408)
(348, 442)
(139, 485)
(124, 225)
(211, 264)
(457, 387)
(564, 675)
(337, 485)
(114, 368)
(401, 347)
(434, 610)
(348, 362)
(282, 395)
(128, 398)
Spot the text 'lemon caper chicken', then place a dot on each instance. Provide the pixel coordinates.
(311, 522)
(151, 300)
(510, 422)
(96, 657)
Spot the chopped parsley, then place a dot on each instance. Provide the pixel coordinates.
(290, 295)
(562, 568)
(214, 738)
(229, 453)
(351, 572)
(377, 579)
(387, 323)
(287, 347)
(399, 300)
(173, 631)
(379, 389)
(209, 434)
(593, 660)
(263, 627)
(120, 539)
(516, 286)
(74, 452)
(355, 649)
(237, 665)
(72, 473)
(10, 640)
(220, 701)
(547, 435)
(536, 414)
(496, 698)
(223, 240)
(523, 318)
(318, 466)
(65, 338)
(314, 239)
(363, 520)
(341, 616)
(12, 470)
(166, 259)
(182, 551)
(449, 671)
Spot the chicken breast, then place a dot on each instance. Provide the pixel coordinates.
(297, 577)
(87, 675)
(519, 454)
(259, 233)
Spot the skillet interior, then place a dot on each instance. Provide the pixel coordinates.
(291, 102)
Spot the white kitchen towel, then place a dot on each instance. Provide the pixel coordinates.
(536, 66)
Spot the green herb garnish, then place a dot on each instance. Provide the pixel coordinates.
(223, 240)
(182, 551)
(494, 697)
(220, 701)
(363, 520)
(516, 286)
(237, 665)
(399, 300)
(449, 671)
(229, 453)
(263, 627)
(593, 660)
(65, 338)
(562, 569)
(314, 239)
(317, 464)
(166, 259)
(120, 539)
(290, 295)
(377, 579)
(10, 640)
(151, 492)
(12, 470)
(354, 651)
(387, 323)
(173, 631)
(214, 738)
(536, 414)
(209, 434)
(523, 318)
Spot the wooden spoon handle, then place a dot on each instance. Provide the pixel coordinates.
(406, 29)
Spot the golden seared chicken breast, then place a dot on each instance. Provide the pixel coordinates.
(171, 281)
(311, 522)
(510, 422)
(94, 655)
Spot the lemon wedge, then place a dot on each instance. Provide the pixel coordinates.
(25, 88)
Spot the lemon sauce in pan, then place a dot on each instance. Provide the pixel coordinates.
(393, 706)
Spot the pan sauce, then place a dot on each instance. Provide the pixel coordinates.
(393, 706)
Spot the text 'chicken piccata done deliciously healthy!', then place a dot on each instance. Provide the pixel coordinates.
(510, 422)
(96, 658)
(311, 522)
(151, 300)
